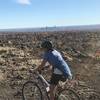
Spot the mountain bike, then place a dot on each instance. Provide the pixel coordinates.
(38, 89)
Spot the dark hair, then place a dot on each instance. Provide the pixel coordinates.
(47, 44)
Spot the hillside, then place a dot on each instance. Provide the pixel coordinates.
(20, 51)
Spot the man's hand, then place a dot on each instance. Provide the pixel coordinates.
(40, 67)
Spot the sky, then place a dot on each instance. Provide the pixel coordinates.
(48, 13)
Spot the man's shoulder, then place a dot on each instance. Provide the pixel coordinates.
(57, 52)
(53, 52)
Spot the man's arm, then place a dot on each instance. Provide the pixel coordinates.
(42, 64)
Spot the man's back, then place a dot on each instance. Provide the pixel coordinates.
(57, 61)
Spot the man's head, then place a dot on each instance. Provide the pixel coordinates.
(46, 44)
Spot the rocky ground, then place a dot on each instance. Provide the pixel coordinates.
(19, 52)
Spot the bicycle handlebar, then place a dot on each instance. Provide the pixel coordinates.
(38, 71)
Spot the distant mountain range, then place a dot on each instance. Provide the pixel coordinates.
(60, 28)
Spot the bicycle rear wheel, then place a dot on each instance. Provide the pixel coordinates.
(31, 91)
(67, 94)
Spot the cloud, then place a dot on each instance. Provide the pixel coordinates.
(24, 2)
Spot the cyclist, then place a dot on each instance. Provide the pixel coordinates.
(61, 70)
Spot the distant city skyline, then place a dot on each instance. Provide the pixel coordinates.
(48, 13)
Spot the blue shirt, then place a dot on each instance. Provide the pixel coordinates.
(57, 61)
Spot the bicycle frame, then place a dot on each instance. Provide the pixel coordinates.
(43, 81)
(45, 84)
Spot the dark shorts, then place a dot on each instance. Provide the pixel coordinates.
(55, 78)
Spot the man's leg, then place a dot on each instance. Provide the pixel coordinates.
(52, 91)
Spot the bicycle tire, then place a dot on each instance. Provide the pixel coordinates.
(36, 89)
(67, 94)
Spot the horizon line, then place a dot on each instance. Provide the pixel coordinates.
(48, 26)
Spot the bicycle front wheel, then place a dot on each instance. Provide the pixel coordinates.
(67, 94)
(31, 91)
